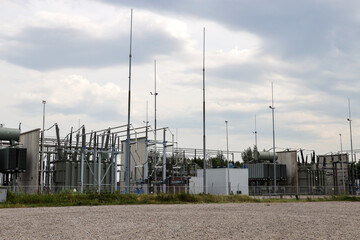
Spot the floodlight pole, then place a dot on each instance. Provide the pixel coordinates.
(42, 151)
(155, 126)
(351, 142)
(204, 136)
(272, 107)
(227, 156)
(127, 152)
(146, 167)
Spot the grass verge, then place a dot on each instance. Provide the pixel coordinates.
(93, 199)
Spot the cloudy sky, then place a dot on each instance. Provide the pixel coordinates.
(74, 54)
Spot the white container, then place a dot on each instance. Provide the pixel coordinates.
(3, 194)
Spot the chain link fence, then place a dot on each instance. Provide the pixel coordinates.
(143, 188)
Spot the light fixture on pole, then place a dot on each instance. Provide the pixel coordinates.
(42, 150)
(127, 152)
(204, 136)
(155, 123)
(227, 156)
(272, 107)
(351, 143)
(146, 167)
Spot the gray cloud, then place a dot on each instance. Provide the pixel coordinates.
(291, 28)
(52, 48)
(86, 107)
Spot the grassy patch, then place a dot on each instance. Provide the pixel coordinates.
(92, 199)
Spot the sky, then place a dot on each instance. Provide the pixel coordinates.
(75, 53)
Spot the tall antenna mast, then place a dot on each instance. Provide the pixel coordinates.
(351, 143)
(155, 126)
(272, 107)
(127, 152)
(204, 136)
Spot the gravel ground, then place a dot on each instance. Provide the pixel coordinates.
(310, 220)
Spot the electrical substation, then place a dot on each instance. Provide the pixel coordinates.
(94, 161)
(147, 159)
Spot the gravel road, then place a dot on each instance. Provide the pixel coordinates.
(310, 220)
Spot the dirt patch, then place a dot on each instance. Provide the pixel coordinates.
(310, 220)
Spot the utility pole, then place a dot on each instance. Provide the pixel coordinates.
(255, 133)
(127, 152)
(227, 157)
(146, 167)
(204, 136)
(272, 107)
(155, 126)
(42, 151)
(351, 142)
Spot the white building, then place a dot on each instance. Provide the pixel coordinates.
(217, 181)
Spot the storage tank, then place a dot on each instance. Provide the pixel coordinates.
(265, 156)
(11, 134)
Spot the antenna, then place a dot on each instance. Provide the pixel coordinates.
(127, 152)
(155, 123)
(204, 136)
(272, 107)
(351, 142)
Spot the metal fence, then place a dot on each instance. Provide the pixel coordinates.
(291, 190)
(191, 188)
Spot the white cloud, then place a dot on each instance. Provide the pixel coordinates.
(79, 50)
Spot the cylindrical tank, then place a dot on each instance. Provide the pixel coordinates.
(9, 134)
(265, 156)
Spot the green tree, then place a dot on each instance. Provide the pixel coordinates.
(198, 161)
(247, 155)
(237, 164)
(218, 161)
